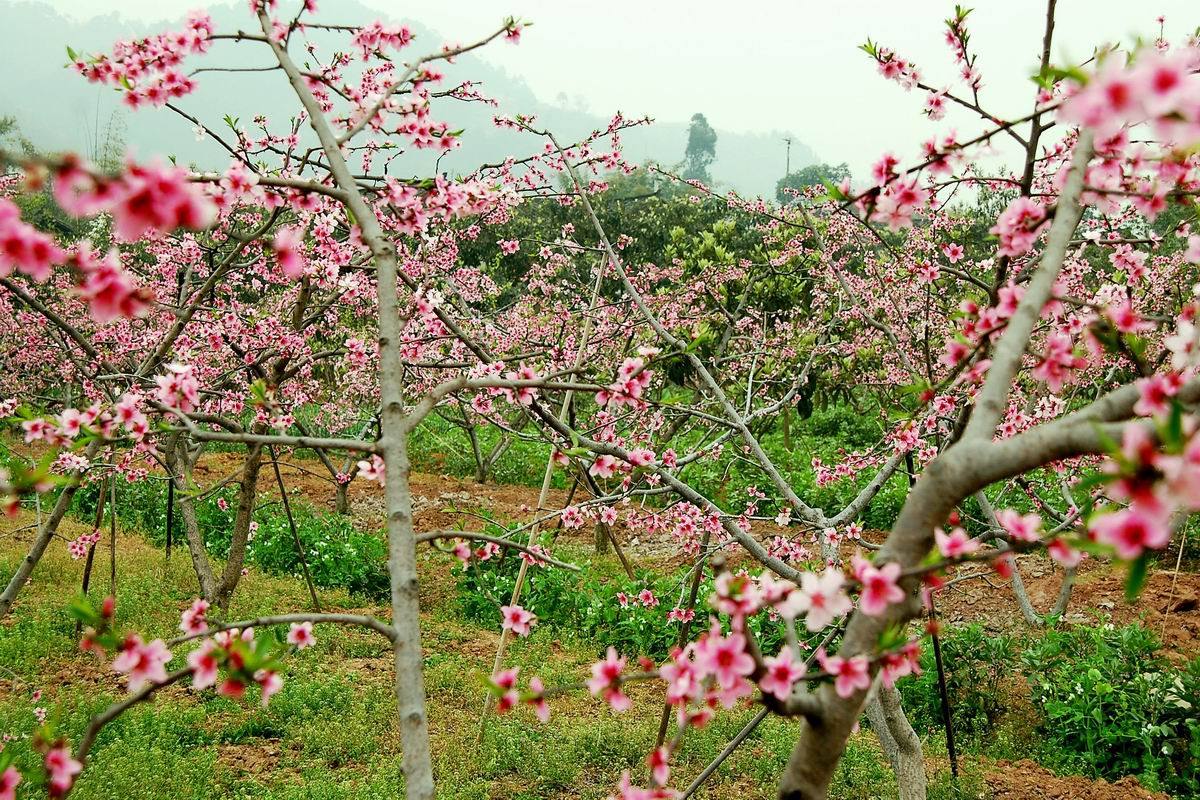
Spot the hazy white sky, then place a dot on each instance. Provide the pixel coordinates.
(762, 65)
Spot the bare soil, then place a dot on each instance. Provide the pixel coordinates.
(1027, 780)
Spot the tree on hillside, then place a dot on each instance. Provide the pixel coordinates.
(701, 150)
(812, 175)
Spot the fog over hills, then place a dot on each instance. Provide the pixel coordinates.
(58, 110)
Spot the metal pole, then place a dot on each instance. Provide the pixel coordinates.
(312, 590)
(941, 670)
(170, 513)
(112, 536)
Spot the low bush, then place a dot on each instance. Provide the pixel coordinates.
(1114, 705)
(339, 554)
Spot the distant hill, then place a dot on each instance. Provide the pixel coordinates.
(58, 110)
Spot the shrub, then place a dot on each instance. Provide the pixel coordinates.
(977, 664)
(339, 555)
(1113, 705)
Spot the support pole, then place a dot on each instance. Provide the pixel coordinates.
(170, 514)
(941, 671)
(287, 507)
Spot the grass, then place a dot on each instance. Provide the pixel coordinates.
(332, 732)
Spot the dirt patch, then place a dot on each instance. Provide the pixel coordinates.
(1169, 603)
(257, 759)
(1027, 780)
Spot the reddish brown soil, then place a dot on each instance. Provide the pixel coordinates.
(1169, 603)
(439, 501)
(1027, 780)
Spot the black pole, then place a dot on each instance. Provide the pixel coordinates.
(170, 513)
(91, 553)
(112, 536)
(941, 670)
(312, 590)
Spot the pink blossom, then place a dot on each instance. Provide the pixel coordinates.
(203, 662)
(641, 457)
(606, 681)
(156, 199)
(61, 770)
(509, 246)
(109, 290)
(24, 248)
(1132, 262)
(505, 682)
(879, 588)
(193, 619)
(898, 202)
(300, 634)
(1064, 554)
(1018, 226)
(572, 517)
(781, 673)
(900, 663)
(724, 657)
(517, 619)
(1155, 393)
(603, 467)
(821, 598)
(537, 699)
(178, 388)
(287, 247)
(1192, 253)
(953, 252)
(373, 470)
(523, 395)
(850, 674)
(659, 762)
(1132, 530)
(955, 544)
(630, 792)
(1058, 361)
(8, 783)
(735, 594)
(270, 683)
(1023, 528)
(144, 663)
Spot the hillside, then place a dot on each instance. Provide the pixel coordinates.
(72, 114)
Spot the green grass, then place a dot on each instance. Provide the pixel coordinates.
(332, 732)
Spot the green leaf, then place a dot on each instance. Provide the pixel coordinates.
(1136, 579)
(81, 609)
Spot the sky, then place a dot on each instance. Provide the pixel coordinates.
(760, 65)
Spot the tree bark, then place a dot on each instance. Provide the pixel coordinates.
(45, 533)
(180, 464)
(247, 495)
(393, 445)
(908, 763)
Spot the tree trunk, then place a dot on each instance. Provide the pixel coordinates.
(180, 465)
(341, 502)
(41, 541)
(393, 446)
(908, 762)
(887, 743)
(45, 533)
(247, 495)
(600, 537)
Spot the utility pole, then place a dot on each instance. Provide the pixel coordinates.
(788, 170)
